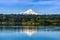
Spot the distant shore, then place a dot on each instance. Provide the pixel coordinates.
(29, 20)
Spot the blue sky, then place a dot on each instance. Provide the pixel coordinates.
(39, 6)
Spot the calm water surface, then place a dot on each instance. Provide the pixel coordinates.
(27, 34)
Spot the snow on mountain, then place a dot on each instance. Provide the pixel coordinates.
(31, 12)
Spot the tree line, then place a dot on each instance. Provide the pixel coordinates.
(28, 20)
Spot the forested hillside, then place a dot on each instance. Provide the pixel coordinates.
(28, 20)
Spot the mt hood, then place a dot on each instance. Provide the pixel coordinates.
(30, 12)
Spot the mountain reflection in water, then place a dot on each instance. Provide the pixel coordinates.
(29, 32)
(41, 33)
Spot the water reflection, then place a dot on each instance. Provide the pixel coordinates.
(38, 28)
(30, 33)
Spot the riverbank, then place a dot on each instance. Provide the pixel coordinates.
(29, 20)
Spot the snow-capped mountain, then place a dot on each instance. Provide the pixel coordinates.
(30, 12)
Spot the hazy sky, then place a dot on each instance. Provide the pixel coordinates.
(40, 6)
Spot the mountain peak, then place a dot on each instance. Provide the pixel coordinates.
(30, 11)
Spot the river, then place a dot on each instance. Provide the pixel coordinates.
(31, 34)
